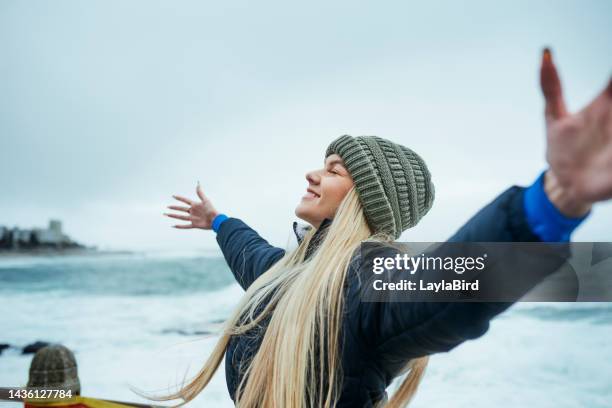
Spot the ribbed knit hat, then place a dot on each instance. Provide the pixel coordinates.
(54, 366)
(392, 181)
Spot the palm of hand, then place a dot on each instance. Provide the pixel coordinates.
(200, 214)
(579, 146)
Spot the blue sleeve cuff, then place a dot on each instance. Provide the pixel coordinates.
(216, 224)
(544, 219)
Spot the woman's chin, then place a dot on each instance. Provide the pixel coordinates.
(301, 212)
(298, 211)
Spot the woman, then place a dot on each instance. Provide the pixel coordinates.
(301, 336)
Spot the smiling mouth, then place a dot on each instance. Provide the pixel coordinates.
(311, 194)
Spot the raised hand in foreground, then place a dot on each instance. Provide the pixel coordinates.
(579, 146)
(199, 213)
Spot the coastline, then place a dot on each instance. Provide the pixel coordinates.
(52, 252)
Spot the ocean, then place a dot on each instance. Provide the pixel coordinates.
(148, 320)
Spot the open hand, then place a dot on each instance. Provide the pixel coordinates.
(199, 213)
(579, 145)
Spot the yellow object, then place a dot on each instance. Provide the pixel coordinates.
(78, 400)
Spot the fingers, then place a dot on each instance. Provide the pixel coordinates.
(179, 208)
(551, 88)
(200, 192)
(189, 226)
(183, 199)
(179, 217)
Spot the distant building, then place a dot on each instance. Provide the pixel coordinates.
(24, 236)
(4, 231)
(50, 237)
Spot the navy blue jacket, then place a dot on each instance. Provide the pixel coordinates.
(378, 339)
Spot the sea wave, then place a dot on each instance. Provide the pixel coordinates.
(129, 275)
(595, 313)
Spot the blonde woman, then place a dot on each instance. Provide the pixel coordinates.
(300, 337)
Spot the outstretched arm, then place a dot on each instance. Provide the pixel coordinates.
(247, 254)
(579, 152)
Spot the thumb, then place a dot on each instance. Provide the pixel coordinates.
(200, 193)
(551, 88)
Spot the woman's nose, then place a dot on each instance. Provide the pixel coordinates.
(313, 177)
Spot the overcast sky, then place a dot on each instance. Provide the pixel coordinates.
(107, 108)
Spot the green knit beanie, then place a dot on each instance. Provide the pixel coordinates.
(54, 366)
(392, 181)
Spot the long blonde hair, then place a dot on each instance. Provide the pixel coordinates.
(298, 362)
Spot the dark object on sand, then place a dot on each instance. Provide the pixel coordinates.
(4, 346)
(54, 366)
(34, 347)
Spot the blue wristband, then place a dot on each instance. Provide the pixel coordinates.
(216, 224)
(544, 219)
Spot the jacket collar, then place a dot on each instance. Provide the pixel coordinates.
(300, 231)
